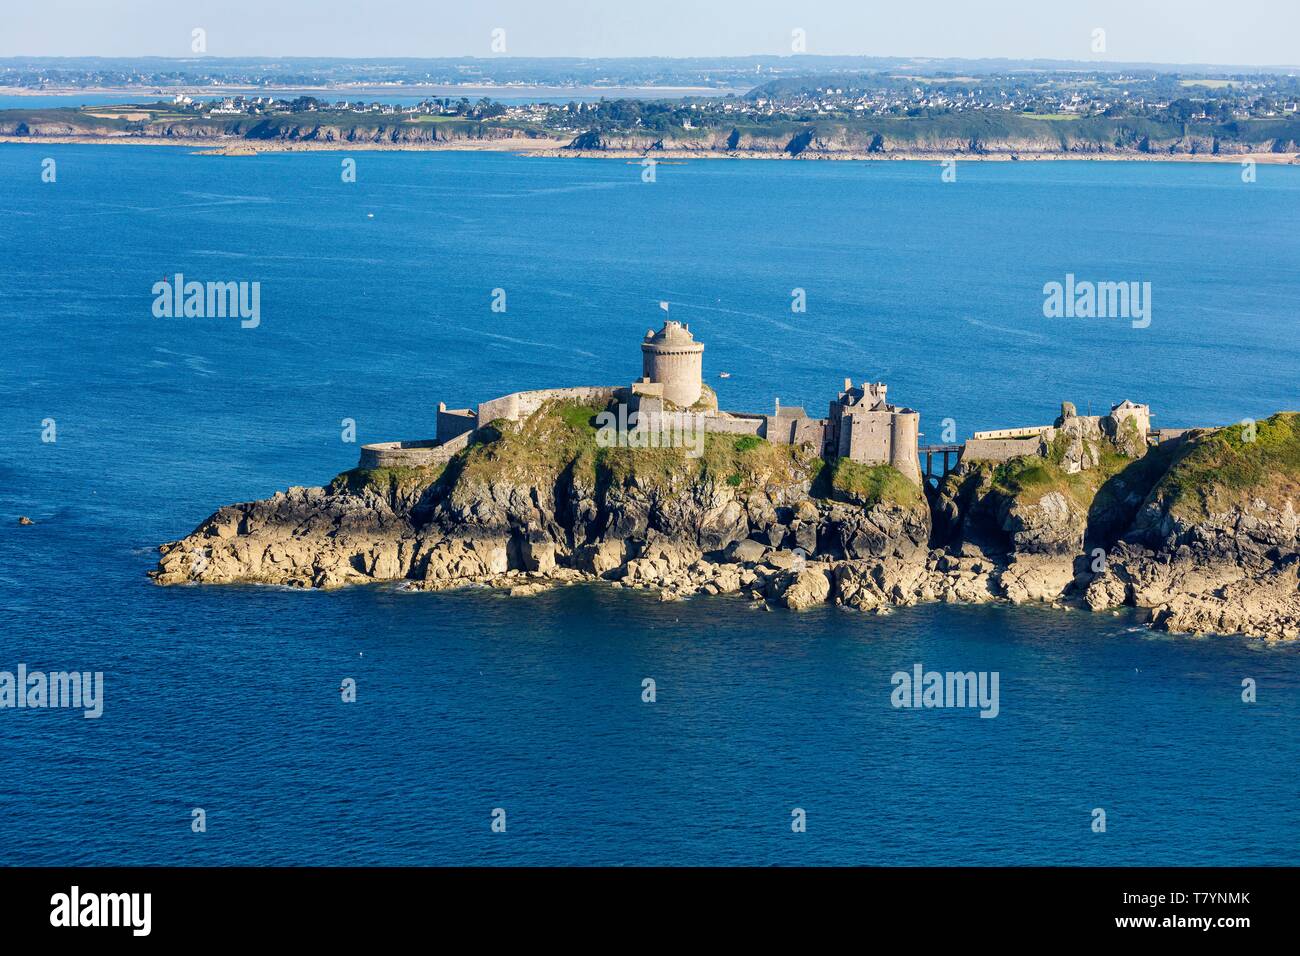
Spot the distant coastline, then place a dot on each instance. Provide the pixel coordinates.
(834, 125)
(542, 90)
(560, 148)
(234, 146)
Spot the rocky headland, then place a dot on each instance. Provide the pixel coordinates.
(1200, 533)
(968, 137)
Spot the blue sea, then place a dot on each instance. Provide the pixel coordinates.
(376, 304)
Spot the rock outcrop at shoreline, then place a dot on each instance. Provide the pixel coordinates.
(1201, 534)
(1215, 545)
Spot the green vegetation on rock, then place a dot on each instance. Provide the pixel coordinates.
(387, 482)
(1030, 479)
(868, 485)
(537, 449)
(562, 435)
(745, 462)
(1234, 465)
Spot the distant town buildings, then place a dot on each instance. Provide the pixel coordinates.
(784, 94)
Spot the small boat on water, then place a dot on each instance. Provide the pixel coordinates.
(724, 375)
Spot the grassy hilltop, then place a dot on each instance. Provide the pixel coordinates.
(1231, 467)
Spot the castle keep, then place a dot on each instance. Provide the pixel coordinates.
(673, 360)
(864, 427)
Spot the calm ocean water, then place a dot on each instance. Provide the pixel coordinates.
(375, 305)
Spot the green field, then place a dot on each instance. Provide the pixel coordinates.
(432, 119)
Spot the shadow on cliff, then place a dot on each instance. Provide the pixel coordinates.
(1115, 507)
(970, 508)
(424, 510)
(967, 509)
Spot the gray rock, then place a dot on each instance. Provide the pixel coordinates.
(747, 551)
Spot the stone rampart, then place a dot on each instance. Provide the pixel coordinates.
(519, 405)
(734, 424)
(1029, 431)
(411, 454)
(999, 449)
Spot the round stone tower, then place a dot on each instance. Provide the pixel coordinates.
(673, 358)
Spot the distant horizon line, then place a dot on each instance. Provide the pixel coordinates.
(1072, 65)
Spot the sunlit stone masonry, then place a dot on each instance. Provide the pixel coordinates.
(861, 425)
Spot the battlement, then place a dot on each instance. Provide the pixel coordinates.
(411, 454)
(1030, 431)
(862, 426)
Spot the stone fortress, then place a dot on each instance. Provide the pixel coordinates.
(861, 424)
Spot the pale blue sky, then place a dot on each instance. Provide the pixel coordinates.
(1183, 31)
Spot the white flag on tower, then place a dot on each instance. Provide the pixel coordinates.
(663, 305)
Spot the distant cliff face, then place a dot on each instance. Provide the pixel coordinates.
(299, 128)
(396, 133)
(952, 134)
(947, 135)
(533, 504)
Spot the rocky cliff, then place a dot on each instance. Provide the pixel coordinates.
(1202, 535)
(304, 128)
(1004, 135)
(983, 135)
(1215, 544)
